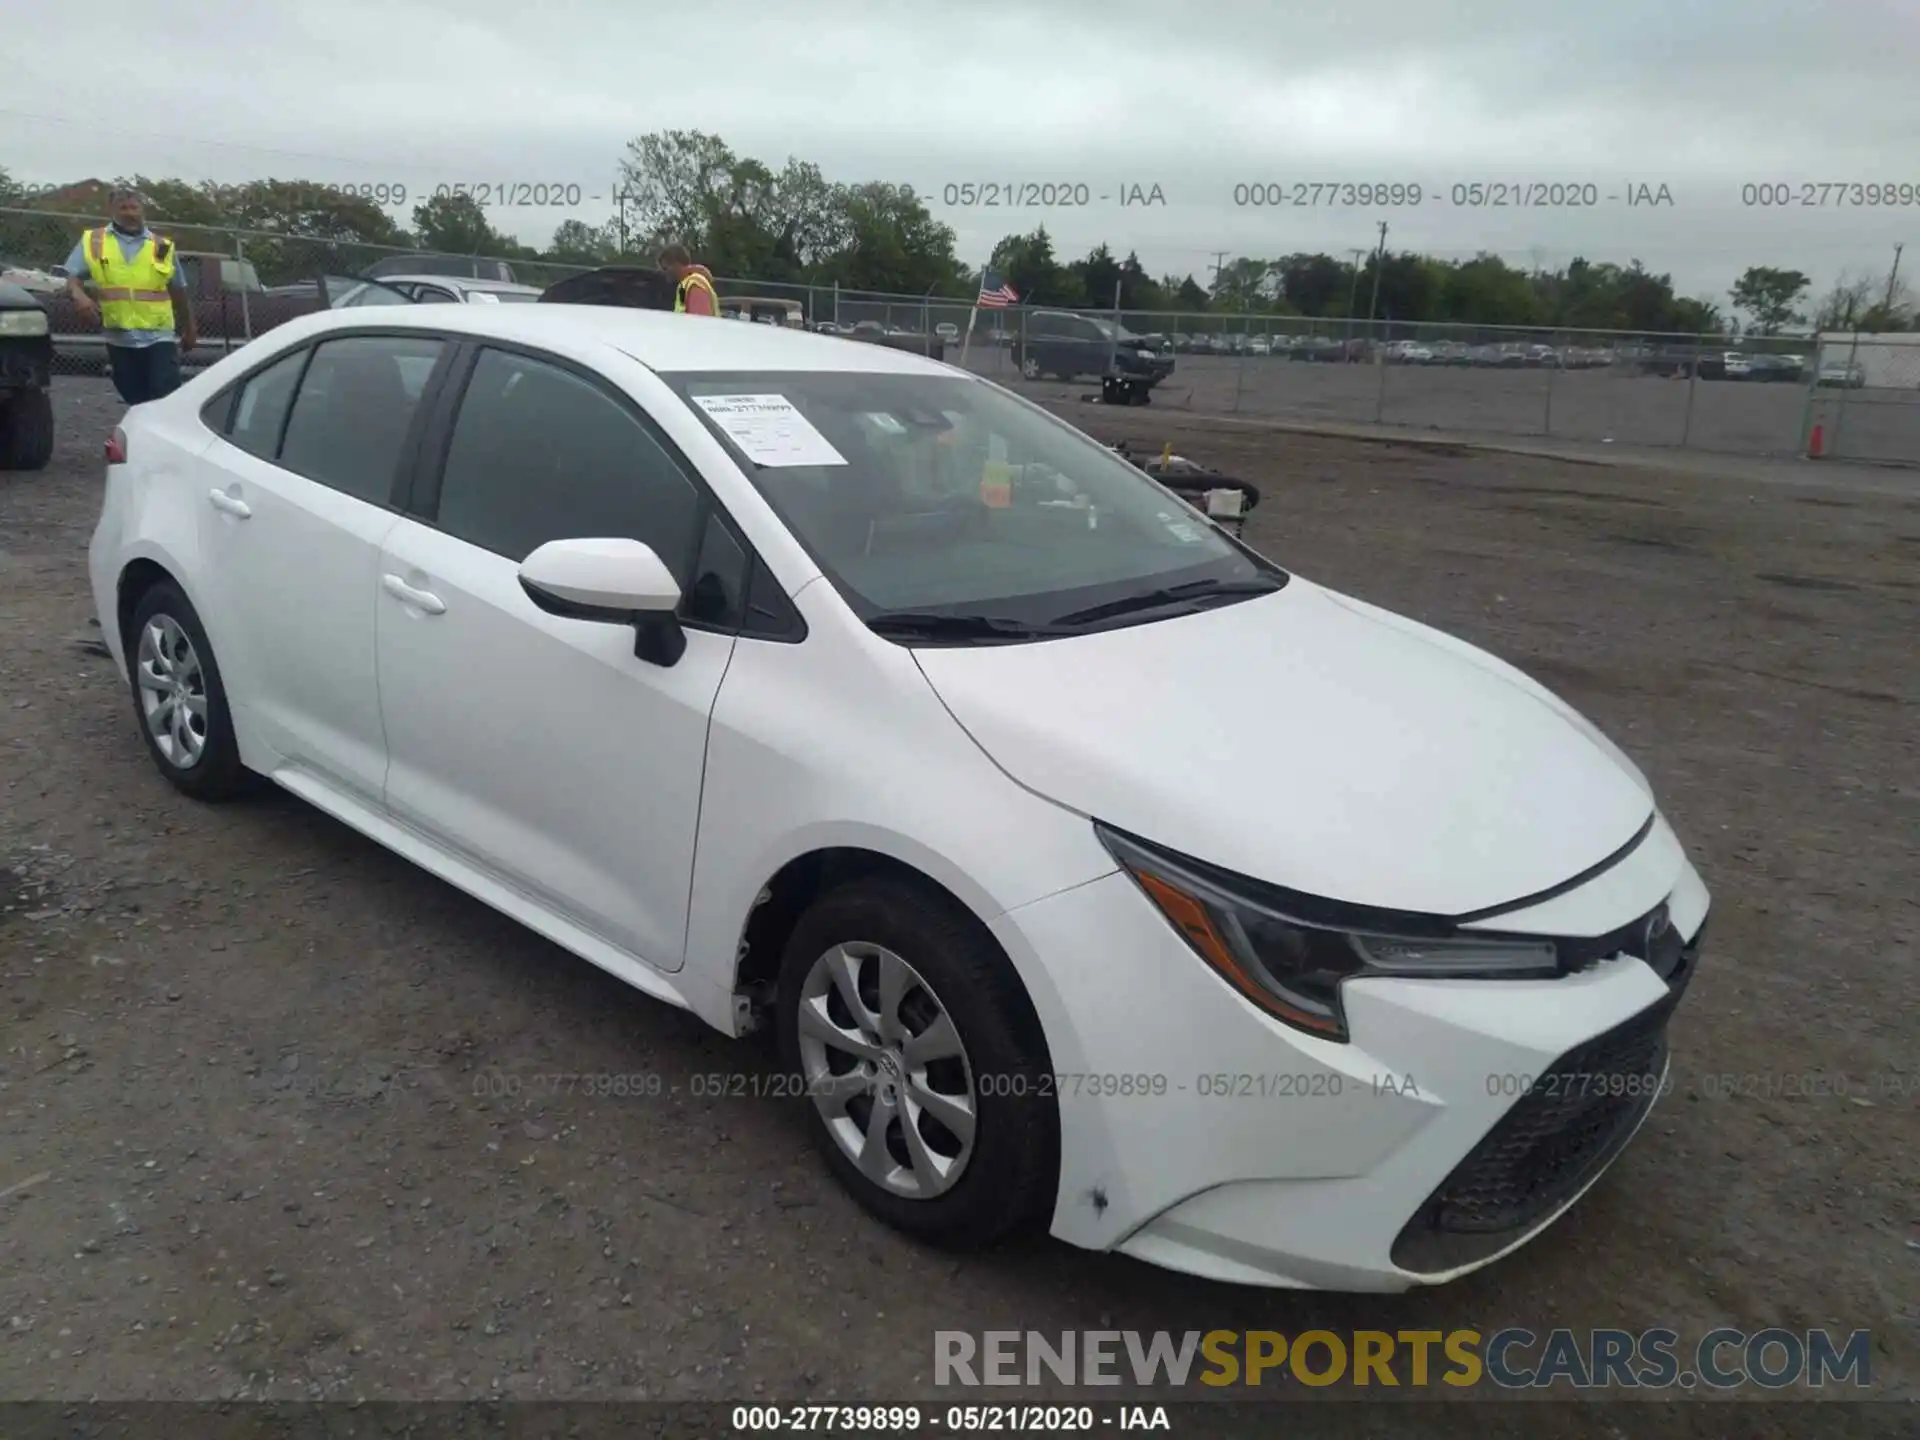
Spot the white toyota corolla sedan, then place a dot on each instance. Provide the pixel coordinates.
(1095, 873)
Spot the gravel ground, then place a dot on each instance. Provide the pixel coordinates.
(247, 1147)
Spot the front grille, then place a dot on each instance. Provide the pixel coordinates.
(1577, 1117)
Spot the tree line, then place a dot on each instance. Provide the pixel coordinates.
(747, 220)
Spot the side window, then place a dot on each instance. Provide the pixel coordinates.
(433, 295)
(1040, 327)
(539, 454)
(355, 408)
(262, 406)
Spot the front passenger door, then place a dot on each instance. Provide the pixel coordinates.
(540, 749)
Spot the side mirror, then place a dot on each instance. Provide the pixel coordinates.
(610, 582)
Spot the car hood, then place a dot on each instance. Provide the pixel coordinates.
(1312, 741)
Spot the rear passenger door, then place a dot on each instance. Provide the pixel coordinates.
(539, 750)
(305, 470)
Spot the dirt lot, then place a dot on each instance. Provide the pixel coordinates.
(246, 1144)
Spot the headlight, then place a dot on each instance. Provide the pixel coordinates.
(1292, 964)
(23, 322)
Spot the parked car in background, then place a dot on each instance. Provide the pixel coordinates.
(440, 290)
(765, 310)
(1843, 373)
(1407, 352)
(947, 331)
(466, 267)
(1451, 352)
(1778, 369)
(1059, 344)
(793, 684)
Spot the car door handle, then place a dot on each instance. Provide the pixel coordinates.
(421, 599)
(232, 504)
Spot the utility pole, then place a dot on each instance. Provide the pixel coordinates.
(1353, 291)
(1892, 275)
(1379, 255)
(1219, 262)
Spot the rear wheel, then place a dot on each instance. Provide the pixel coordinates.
(1030, 366)
(178, 698)
(26, 430)
(924, 1066)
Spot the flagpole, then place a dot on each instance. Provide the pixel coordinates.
(972, 314)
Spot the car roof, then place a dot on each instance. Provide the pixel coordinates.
(660, 340)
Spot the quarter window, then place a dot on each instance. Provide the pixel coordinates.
(262, 406)
(354, 411)
(539, 453)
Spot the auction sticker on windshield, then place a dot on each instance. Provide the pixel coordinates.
(770, 430)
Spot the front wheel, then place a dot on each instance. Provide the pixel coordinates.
(1030, 366)
(926, 1072)
(26, 430)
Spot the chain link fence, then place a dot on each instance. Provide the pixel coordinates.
(1865, 404)
(1855, 397)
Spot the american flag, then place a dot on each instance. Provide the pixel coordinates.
(995, 292)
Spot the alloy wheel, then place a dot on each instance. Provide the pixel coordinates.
(885, 1067)
(173, 691)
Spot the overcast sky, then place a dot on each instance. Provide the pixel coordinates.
(1701, 96)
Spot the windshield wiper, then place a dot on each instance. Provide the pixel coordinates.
(1190, 593)
(917, 625)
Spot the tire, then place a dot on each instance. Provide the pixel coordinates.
(26, 430)
(1006, 1181)
(163, 623)
(1030, 367)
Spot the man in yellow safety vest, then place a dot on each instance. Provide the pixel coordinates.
(693, 292)
(141, 297)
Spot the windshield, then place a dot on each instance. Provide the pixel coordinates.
(943, 495)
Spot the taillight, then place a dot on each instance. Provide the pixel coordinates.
(117, 447)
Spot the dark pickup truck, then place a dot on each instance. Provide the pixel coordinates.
(229, 304)
(1060, 343)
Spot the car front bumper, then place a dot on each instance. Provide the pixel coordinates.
(1461, 1120)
